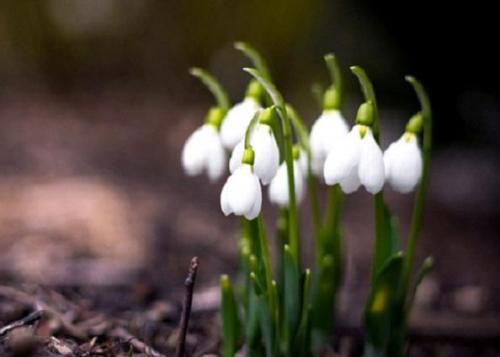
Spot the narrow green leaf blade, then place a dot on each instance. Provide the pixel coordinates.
(230, 319)
(425, 269)
(382, 301)
(291, 296)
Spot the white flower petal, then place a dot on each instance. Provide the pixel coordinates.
(203, 151)
(278, 189)
(255, 210)
(343, 158)
(242, 193)
(388, 156)
(405, 161)
(224, 199)
(236, 156)
(371, 164)
(193, 153)
(215, 160)
(235, 123)
(351, 183)
(266, 151)
(326, 132)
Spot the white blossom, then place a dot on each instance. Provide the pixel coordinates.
(403, 163)
(241, 194)
(266, 151)
(278, 189)
(356, 160)
(326, 131)
(235, 123)
(203, 152)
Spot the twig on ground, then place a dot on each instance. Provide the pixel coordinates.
(186, 308)
(38, 305)
(25, 321)
(124, 335)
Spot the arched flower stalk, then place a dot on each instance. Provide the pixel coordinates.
(203, 150)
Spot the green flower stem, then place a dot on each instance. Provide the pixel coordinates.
(303, 136)
(416, 220)
(277, 99)
(257, 59)
(331, 229)
(382, 246)
(336, 79)
(249, 129)
(213, 86)
(332, 243)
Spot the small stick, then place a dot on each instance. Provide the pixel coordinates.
(27, 320)
(122, 334)
(186, 308)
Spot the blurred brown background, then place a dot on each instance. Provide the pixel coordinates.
(96, 102)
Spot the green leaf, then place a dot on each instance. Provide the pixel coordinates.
(230, 319)
(324, 300)
(425, 269)
(382, 302)
(302, 342)
(213, 86)
(252, 327)
(291, 297)
(267, 326)
(392, 230)
(255, 56)
(388, 241)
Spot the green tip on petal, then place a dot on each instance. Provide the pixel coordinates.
(254, 90)
(415, 124)
(366, 114)
(248, 156)
(215, 116)
(331, 99)
(268, 115)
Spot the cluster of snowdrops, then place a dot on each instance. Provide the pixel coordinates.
(263, 141)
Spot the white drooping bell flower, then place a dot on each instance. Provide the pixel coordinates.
(278, 189)
(403, 163)
(326, 131)
(266, 151)
(235, 123)
(203, 150)
(356, 160)
(242, 194)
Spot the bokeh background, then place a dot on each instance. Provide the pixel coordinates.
(96, 102)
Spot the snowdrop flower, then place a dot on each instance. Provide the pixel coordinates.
(327, 130)
(278, 189)
(356, 160)
(266, 151)
(403, 163)
(241, 194)
(239, 116)
(203, 150)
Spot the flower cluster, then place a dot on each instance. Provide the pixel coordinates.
(271, 146)
(348, 158)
